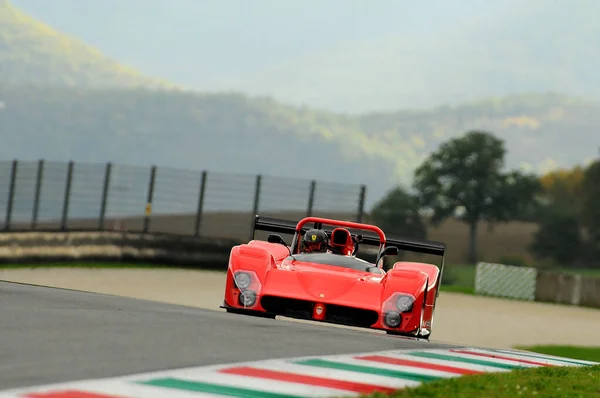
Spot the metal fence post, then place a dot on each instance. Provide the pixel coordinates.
(38, 190)
(11, 194)
(256, 204)
(256, 196)
(311, 198)
(105, 187)
(361, 203)
(149, 201)
(200, 204)
(65, 212)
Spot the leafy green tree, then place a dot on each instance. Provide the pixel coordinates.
(564, 187)
(590, 208)
(464, 179)
(521, 198)
(397, 213)
(559, 237)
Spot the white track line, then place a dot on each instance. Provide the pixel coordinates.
(128, 385)
(337, 374)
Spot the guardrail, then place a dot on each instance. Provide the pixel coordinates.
(68, 196)
(527, 283)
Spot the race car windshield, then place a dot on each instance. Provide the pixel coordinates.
(338, 260)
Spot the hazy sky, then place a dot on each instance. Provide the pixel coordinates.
(346, 55)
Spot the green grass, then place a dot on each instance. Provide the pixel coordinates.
(459, 275)
(538, 382)
(575, 352)
(457, 289)
(557, 382)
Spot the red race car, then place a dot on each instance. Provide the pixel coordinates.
(319, 277)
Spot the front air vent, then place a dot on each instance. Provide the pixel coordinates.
(303, 309)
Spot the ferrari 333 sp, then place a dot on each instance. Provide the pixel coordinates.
(319, 277)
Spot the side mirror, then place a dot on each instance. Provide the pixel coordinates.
(273, 238)
(389, 251)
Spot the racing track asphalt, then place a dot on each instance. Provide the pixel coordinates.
(53, 335)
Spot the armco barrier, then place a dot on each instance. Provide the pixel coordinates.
(505, 281)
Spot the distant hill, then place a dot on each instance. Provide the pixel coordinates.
(234, 133)
(61, 100)
(34, 53)
(360, 57)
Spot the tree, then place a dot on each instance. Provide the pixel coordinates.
(522, 197)
(564, 187)
(590, 212)
(463, 179)
(397, 213)
(558, 237)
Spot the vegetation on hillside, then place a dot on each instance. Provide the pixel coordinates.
(47, 98)
(34, 53)
(382, 57)
(185, 129)
(56, 103)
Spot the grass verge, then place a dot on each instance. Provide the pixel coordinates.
(567, 351)
(457, 289)
(539, 382)
(551, 382)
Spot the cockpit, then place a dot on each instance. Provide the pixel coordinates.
(337, 260)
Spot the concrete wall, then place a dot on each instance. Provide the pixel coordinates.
(590, 292)
(493, 243)
(33, 247)
(556, 287)
(502, 280)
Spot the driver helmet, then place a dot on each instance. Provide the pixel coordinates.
(314, 240)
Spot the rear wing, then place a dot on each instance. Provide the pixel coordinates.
(276, 225)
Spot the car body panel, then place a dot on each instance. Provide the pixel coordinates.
(335, 288)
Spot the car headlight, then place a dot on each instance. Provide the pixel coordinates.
(247, 298)
(392, 319)
(404, 303)
(242, 280)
